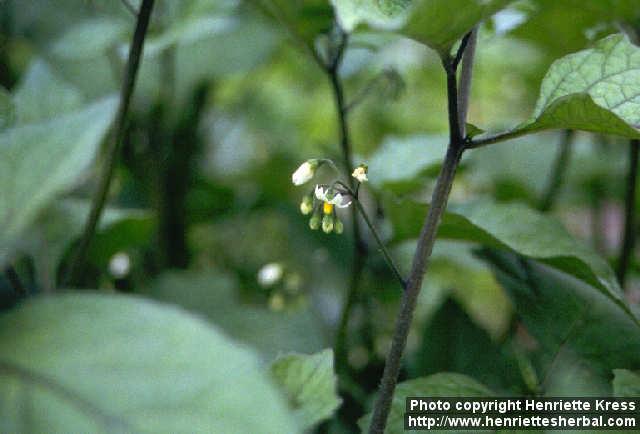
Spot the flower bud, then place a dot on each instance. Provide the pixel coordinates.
(305, 172)
(314, 222)
(338, 227)
(306, 206)
(360, 173)
(327, 223)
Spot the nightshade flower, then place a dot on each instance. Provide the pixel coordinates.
(305, 172)
(360, 173)
(306, 206)
(330, 196)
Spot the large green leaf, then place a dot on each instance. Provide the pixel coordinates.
(215, 295)
(445, 385)
(580, 334)
(626, 383)
(40, 160)
(310, 384)
(596, 90)
(516, 228)
(106, 363)
(439, 24)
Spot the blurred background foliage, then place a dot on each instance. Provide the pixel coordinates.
(227, 106)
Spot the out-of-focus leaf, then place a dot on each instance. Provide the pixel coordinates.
(41, 160)
(516, 228)
(306, 19)
(90, 38)
(596, 90)
(106, 363)
(445, 384)
(626, 383)
(569, 320)
(310, 384)
(187, 32)
(41, 95)
(402, 159)
(60, 224)
(451, 341)
(215, 296)
(7, 109)
(376, 13)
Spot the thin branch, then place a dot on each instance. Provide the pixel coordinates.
(426, 242)
(497, 138)
(629, 237)
(556, 177)
(14, 279)
(364, 92)
(116, 138)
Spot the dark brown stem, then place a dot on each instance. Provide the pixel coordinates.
(426, 242)
(629, 237)
(115, 140)
(556, 177)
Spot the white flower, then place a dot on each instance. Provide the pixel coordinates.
(360, 173)
(305, 172)
(120, 265)
(270, 274)
(330, 196)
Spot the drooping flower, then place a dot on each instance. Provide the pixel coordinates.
(330, 196)
(360, 173)
(305, 172)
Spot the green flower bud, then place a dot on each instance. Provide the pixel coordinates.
(327, 223)
(314, 221)
(338, 227)
(306, 206)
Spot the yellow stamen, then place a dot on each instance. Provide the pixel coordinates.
(327, 208)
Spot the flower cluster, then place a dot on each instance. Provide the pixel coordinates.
(323, 201)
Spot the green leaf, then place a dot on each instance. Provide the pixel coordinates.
(376, 13)
(596, 90)
(215, 296)
(402, 159)
(580, 334)
(626, 383)
(473, 130)
(445, 384)
(90, 38)
(107, 363)
(516, 228)
(439, 24)
(452, 341)
(42, 95)
(310, 384)
(306, 19)
(39, 161)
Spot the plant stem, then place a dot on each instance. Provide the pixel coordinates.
(466, 75)
(115, 140)
(382, 247)
(426, 242)
(14, 279)
(497, 138)
(556, 177)
(629, 237)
